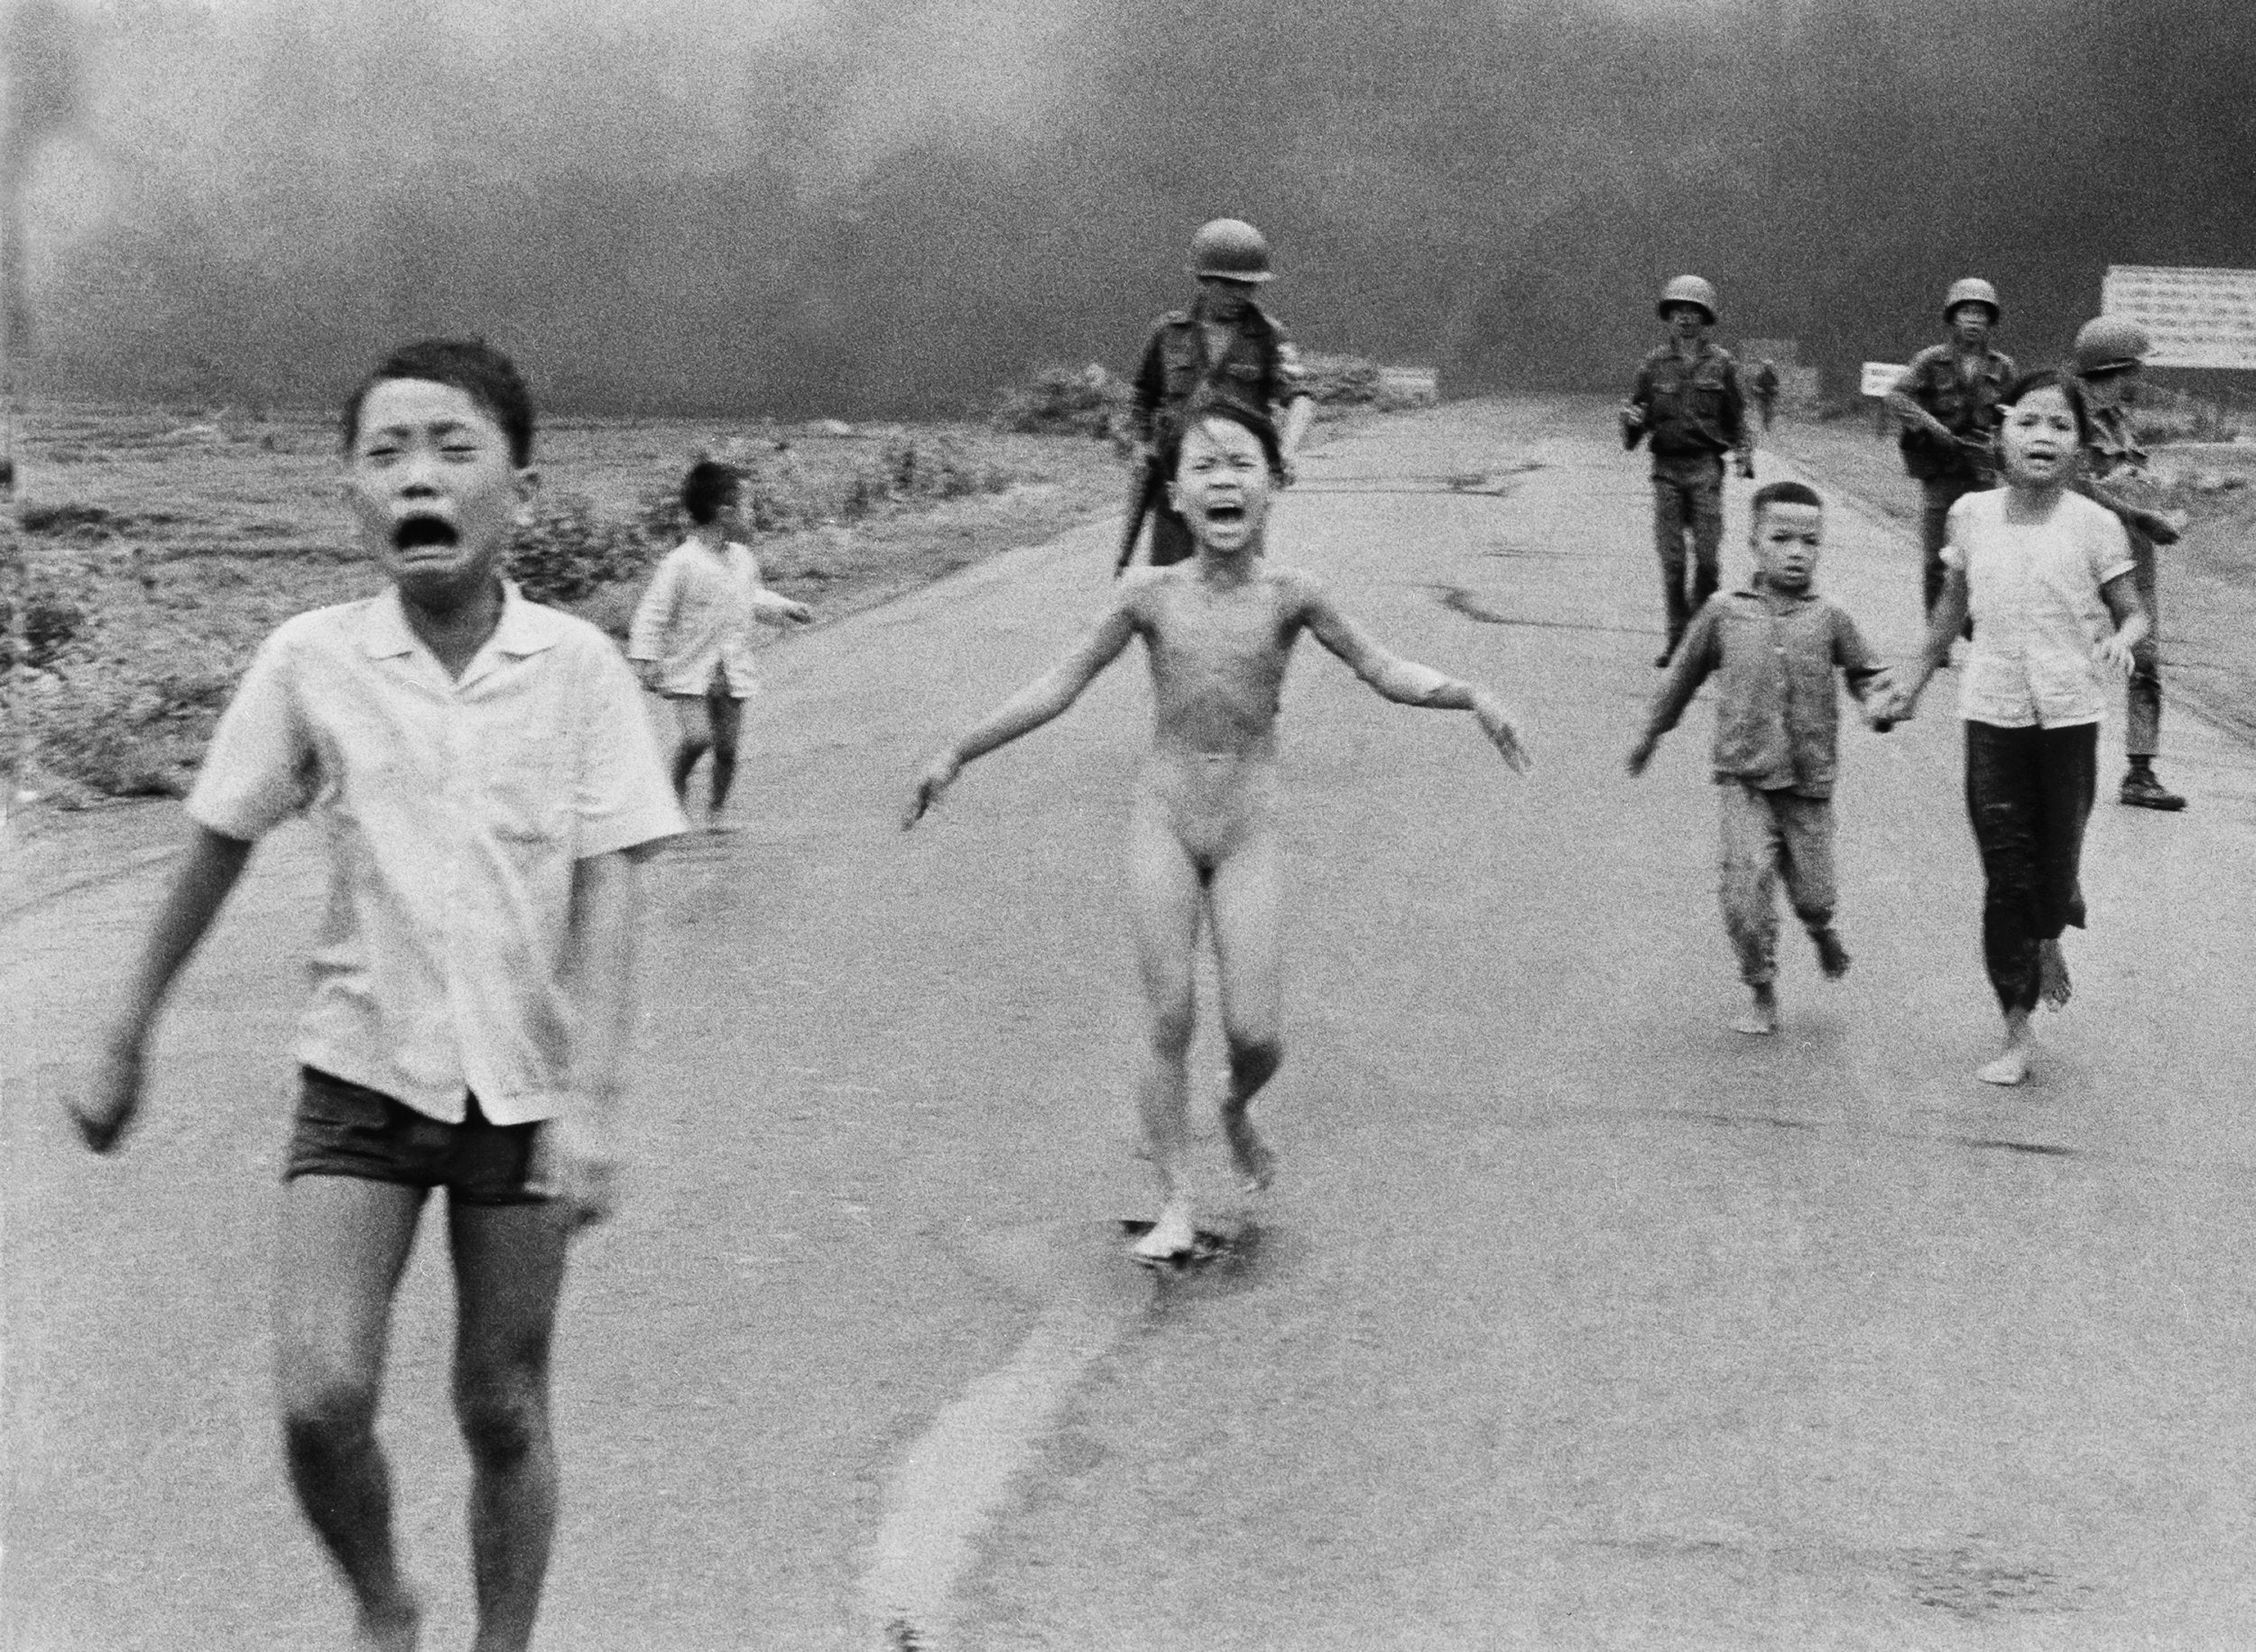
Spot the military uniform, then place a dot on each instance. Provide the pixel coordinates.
(2113, 457)
(1948, 471)
(1764, 383)
(1695, 412)
(1258, 370)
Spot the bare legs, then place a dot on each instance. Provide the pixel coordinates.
(728, 720)
(508, 1268)
(709, 723)
(1169, 898)
(344, 1244)
(1242, 904)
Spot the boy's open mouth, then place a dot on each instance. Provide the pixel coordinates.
(414, 532)
(1225, 511)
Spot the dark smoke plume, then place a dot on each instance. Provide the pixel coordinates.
(884, 205)
(42, 79)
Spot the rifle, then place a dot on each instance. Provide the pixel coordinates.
(1143, 488)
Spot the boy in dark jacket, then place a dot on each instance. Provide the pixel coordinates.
(1776, 646)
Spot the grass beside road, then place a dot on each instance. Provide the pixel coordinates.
(2208, 578)
(160, 548)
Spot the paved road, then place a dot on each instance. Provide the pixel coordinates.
(1576, 1320)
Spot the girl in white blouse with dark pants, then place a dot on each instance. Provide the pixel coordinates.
(2047, 577)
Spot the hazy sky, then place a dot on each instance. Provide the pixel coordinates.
(833, 206)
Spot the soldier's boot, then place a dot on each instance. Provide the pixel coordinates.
(2140, 789)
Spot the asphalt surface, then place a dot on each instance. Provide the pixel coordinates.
(1574, 1319)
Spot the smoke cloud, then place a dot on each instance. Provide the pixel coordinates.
(867, 206)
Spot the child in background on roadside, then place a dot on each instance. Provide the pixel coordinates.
(1218, 631)
(483, 777)
(1777, 644)
(692, 631)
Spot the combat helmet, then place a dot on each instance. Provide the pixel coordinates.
(1688, 289)
(1973, 289)
(2108, 343)
(1230, 250)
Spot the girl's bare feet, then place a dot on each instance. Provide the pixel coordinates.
(1172, 1237)
(1256, 1165)
(2011, 1067)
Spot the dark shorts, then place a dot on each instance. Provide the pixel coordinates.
(344, 1129)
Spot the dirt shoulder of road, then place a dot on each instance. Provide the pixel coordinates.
(2208, 579)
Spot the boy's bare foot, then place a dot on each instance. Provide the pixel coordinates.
(1172, 1237)
(2053, 986)
(1256, 1165)
(1833, 958)
(1761, 1017)
(720, 825)
(395, 1628)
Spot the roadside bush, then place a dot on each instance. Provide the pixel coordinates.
(76, 520)
(127, 727)
(1068, 402)
(570, 548)
(2163, 416)
(57, 608)
(1092, 401)
(1344, 383)
(910, 469)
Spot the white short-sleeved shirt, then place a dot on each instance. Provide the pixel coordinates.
(2038, 613)
(696, 619)
(454, 812)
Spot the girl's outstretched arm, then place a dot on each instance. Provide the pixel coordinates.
(1034, 705)
(1405, 682)
(1943, 628)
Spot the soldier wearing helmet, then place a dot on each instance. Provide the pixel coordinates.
(1688, 404)
(2110, 351)
(1225, 348)
(1947, 402)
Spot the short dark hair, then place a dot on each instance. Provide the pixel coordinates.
(472, 366)
(2063, 381)
(1782, 492)
(1202, 408)
(707, 486)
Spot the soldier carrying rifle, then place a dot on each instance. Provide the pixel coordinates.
(1224, 349)
(1686, 405)
(1947, 402)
